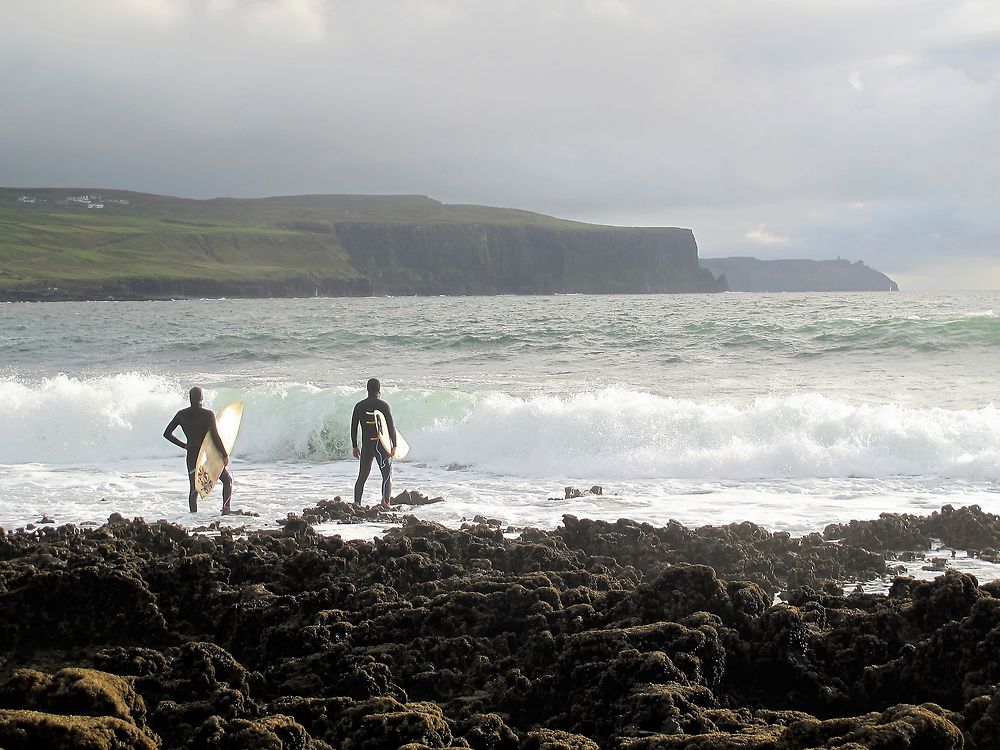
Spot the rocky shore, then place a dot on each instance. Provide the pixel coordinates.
(593, 635)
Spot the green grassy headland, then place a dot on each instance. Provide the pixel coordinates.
(56, 242)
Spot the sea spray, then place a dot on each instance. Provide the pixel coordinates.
(622, 435)
(611, 434)
(78, 420)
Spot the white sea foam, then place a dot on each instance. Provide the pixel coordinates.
(610, 434)
(71, 420)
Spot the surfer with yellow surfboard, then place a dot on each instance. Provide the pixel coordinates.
(379, 441)
(202, 437)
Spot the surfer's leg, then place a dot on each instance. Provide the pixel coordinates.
(385, 466)
(192, 490)
(363, 471)
(227, 489)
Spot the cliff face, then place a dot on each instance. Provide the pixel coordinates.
(61, 244)
(753, 275)
(510, 259)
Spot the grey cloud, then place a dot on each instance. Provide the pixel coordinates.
(719, 116)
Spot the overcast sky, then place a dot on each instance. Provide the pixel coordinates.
(866, 129)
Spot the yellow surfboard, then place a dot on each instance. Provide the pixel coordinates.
(209, 467)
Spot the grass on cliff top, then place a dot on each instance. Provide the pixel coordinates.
(275, 211)
(85, 245)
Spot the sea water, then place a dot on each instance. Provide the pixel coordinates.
(789, 410)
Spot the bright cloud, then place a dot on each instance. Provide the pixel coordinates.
(763, 236)
(301, 19)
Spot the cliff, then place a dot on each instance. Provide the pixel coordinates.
(100, 244)
(745, 274)
(523, 259)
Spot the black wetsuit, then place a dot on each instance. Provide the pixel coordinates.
(196, 422)
(371, 446)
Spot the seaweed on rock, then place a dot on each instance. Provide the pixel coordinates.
(593, 635)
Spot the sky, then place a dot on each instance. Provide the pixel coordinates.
(862, 129)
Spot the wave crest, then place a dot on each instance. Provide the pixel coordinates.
(606, 434)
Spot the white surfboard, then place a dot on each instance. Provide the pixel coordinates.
(209, 467)
(402, 448)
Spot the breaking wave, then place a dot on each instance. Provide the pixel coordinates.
(607, 434)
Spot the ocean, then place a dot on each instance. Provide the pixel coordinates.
(789, 410)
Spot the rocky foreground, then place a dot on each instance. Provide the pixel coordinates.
(593, 635)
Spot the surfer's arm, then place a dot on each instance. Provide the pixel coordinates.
(169, 433)
(391, 427)
(355, 424)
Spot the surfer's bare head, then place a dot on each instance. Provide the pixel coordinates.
(196, 396)
(374, 387)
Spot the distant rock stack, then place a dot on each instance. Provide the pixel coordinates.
(744, 274)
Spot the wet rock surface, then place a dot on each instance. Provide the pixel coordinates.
(593, 635)
(965, 528)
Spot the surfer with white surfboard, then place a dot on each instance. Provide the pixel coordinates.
(198, 424)
(379, 440)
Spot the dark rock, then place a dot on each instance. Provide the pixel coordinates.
(903, 726)
(594, 634)
(74, 708)
(383, 722)
(552, 739)
(276, 732)
(412, 497)
(964, 528)
(488, 732)
(31, 730)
